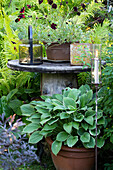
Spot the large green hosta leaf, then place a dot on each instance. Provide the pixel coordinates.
(84, 108)
(66, 91)
(56, 102)
(84, 125)
(42, 110)
(72, 140)
(82, 99)
(84, 88)
(89, 95)
(71, 111)
(35, 137)
(80, 131)
(35, 116)
(27, 109)
(50, 127)
(43, 132)
(72, 108)
(75, 125)
(56, 146)
(64, 115)
(46, 98)
(74, 93)
(43, 116)
(58, 97)
(93, 132)
(62, 136)
(42, 122)
(69, 102)
(90, 112)
(34, 102)
(91, 103)
(91, 127)
(100, 142)
(35, 121)
(89, 120)
(39, 104)
(59, 107)
(90, 144)
(68, 127)
(31, 127)
(85, 137)
(78, 118)
(52, 121)
(42, 104)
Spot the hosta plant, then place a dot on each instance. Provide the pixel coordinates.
(69, 118)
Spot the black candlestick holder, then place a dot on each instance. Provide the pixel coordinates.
(30, 51)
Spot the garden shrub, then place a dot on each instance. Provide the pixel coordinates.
(27, 84)
(14, 151)
(106, 91)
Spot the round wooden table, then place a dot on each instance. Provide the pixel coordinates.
(54, 76)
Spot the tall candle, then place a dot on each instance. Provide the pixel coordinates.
(96, 54)
(96, 70)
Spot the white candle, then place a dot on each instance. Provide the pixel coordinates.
(96, 54)
(96, 70)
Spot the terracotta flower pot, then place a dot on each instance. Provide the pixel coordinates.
(73, 158)
(58, 52)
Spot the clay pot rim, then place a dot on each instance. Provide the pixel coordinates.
(44, 42)
(55, 44)
(73, 149)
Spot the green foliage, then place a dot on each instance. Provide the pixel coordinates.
(56, 146)
(8, 50)
(16, 88)
(100, 33)
(107, 93)
(68, 117)
(108, 166)
(84, 78)
(28, 84)
(70, 25)
(10, 105)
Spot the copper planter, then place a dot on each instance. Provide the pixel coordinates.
(58, 52)
(73, 158)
